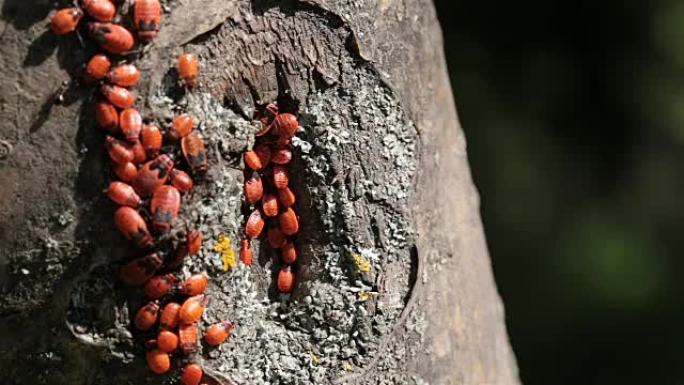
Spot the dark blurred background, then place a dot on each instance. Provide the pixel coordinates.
(574, 114)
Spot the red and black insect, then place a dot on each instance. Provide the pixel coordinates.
(165, 205)
(138, 271)
(100, 10)
(146, 17)
(188, 69)
(132, 226)
(195, 154)
(152, 174)
(65, 20)
(97, 68)
(113, 38)
(124, 75)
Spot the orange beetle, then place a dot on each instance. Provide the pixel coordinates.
(123, 194)
(192, 309)
(139, 155)
(97, 68)
(194, 151)
(188, 337)
(120, 152)
(138, 271)
(188, 69)
(270, 113)
(285, 125)
(252, 160)
(159, 362)
(286, 197)
(65, 20)
(167, 341)
(169, 316)
(276, 238)
(107, 117)
(246, 253)
(152, 174)
(217, 333)
(288, 222)
(286, 279)
(270, 205)
(165, 205)
(180, 127)
(181, 180)
(124, 75)
(282, 156)
(151, 139)
(289, 253)
(113, 38)
(126, 172)
(253, 188)
(195, 285)
(281, 177)
(255, 224)
(160, 285)
(263, 152)
(147, 316)
(132, 226)
(192, 374)
(130, 122)
(146, 17)
(192, 246)
(118, 96)
(101, 10)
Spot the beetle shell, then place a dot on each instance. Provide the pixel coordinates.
(289, 253)
(132, 226)
(123, 194)
(147, 316)
(253, 188)
(165, 205)
(281, 177)
(192, 374)
(286, 197)
(151, 139)
(289, 223)
(139, 155)
(101, 10)
(107, 117)
(270, 205)
(218, 333)
(169, 316)
(246, 253)
(252, 160)
(111, 37)
(194, 241)
(146, 17)
(254, 225)
(65, 20)
(188, 338)
(191, 310)
(126, 172)
(120, 152)
(138, 271)
(130, 122)
(167, 341)
(285, 125)
(124, 75)
(180, 127)
(160, 285)
(181, 180)
(282, 156)
(158, 361)
(118, 96)
(195, 285)
(286, 279)
(152, 174)
(276, 238)
(194, 151)
(97, 68)
(188, 69)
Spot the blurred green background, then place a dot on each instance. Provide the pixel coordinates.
(574, 114)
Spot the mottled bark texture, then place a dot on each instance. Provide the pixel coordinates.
(381, 174)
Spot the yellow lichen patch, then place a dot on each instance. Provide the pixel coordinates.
(314, 359)
(364, 295)
(223, 247)
(362, 264)
(347, 366)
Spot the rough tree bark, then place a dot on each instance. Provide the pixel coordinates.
(382, 175)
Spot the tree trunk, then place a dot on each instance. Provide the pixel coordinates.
(394, 280)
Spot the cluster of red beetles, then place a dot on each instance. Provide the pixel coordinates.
(150, 183)
(267, 189)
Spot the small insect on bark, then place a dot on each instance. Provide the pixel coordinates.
(160, 285)
(169, 316)
(289, 223)
(167, 341)
(123, 194)
(158, 361)
(146, 17)
(289, 253)
(195, 285)
(180, 127)
(192, 374)
(65, 20)
(192, 309)
(253, 188)
(132, 226)
(165, 205)
(119, 151)
(152, 174)
(100, 10)
(276, 238)
(246, 253)
(194, 151)
(97, 68)
(218, 333)
(126, 172)
(130, 122)
(254, 225)
(286, 279)
(107, 117)
(124, 75)
(181, 180)
(188, 337)
(113, 38)
(118, 96)
(188, 69)
(151, 139)
(147, 316)
(138, 271)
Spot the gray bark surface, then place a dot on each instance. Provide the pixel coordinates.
(381, 172)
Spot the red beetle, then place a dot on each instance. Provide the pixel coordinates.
(192, 246)
(107, 117)
(118, 96)
(286, 197)
(97, 68)
(101, 10)
(188, 337)
(218, 333)
(167, 341)
(158, 361)
(132, 226)
(270, 205)
(288, 222)
(152, 174)
(147, 316)
(65, 20)
(126, 172)
(124, 75)
(289, 253)
(246, 253)
(285, 125)
(192, 309)
(281, 177)
(255, 224)
(180, 127)
(253, 188)
(188, 69)
(151, 139)
(181, 180)
(286, 279)
(282, 156)
(123, 194)
(139, 155)
(120, 152)
(276, 238)
(169, 316)
(165, 205)
(195, 285)
(194, 151)
(160, 285)
(130, 122)
(138, 271)
(192, 374)
(111, 37)
(146, 17)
